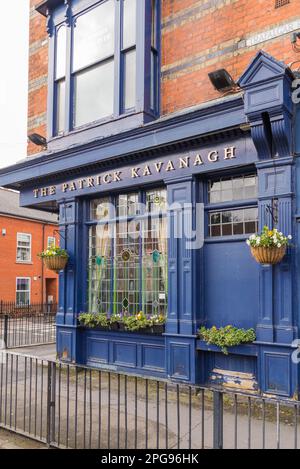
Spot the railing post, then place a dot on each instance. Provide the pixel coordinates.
(218, 420)
(5, 332)
(51, 392)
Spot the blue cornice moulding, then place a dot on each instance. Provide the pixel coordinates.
(210, 119)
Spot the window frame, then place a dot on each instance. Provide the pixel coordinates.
(53, 238)
(143, 65)
(27, 261)
(22, 291)
(224, 206)
(119, 219)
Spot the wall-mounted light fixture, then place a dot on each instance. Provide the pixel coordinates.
(38, 140)
(3, 231)
(222, 81)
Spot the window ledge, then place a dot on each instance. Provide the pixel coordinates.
(24, 262)
(100, 130)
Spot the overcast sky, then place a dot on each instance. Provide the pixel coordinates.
(13, 80)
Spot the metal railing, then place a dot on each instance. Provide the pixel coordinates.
(69, 406)
(27, 325)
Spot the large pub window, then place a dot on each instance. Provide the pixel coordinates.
(98, 60)
(127, 269)
(232, 206)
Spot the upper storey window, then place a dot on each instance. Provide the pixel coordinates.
(106, 62)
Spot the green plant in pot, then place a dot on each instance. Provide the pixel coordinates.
(227, 336)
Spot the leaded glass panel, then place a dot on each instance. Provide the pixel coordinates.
(128, 257)
(100, 269)
(155, 266)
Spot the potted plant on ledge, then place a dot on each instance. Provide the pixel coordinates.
(268, 247)
(138, 323)
(225, 337)
(55, 258)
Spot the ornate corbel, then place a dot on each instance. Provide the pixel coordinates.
(68, 12)
(50, 23)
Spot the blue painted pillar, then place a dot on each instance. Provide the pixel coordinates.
(70, 280)
(183, 291)
(267, 84)
(276, 322)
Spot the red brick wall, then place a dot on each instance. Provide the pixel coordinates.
(196, 41)
(10, 269)
(38, 70)
(198, 36)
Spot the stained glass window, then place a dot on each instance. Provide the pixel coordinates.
(128, 255)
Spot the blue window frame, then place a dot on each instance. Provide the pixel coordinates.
(128, 253)
(104, 62)
(231, 208)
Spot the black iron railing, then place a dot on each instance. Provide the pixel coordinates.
(75, 407)
(24, 325)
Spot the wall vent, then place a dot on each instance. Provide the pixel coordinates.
(281, 3)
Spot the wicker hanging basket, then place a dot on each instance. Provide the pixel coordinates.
(269, 256)
(56, 263)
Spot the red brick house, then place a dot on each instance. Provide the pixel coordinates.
(23, 234)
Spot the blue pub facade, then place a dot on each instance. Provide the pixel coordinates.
(236, 157)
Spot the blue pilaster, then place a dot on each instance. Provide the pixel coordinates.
(70, 293)
(268, 106)
(183, 292)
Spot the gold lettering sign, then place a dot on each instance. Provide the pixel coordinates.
(180, 163)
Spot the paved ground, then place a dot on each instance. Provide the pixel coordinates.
(43, 352)
(9, 440)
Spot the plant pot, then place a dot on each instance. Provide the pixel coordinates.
(55, 263)
(158, 329)
(271, 256)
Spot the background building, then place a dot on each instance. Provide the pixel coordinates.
(23, 234)
(122, 91)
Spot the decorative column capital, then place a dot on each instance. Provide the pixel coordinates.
(50, 23)
(267, 84)
(68, 12)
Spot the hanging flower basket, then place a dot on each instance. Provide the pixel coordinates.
(56, 263)
(270, 256)
(55, 258)
(269, 247)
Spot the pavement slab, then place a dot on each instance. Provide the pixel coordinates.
(12, 441)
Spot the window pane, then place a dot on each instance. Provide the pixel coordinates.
(236, 188)
(129, 80)
(154, 79)
(23, 291)
(155, 266)
(94, 95)
(94, 35)
(100, 209)
(23, 247)
(22, 284)
(154, 25)
(129, 23)
(61, 51)
(127, 205)
(156, 201)
(51, 242)
(233, 222)
(128, 271)
(60, 106)
(100, 268)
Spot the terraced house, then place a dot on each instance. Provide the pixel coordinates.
(147, 106)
